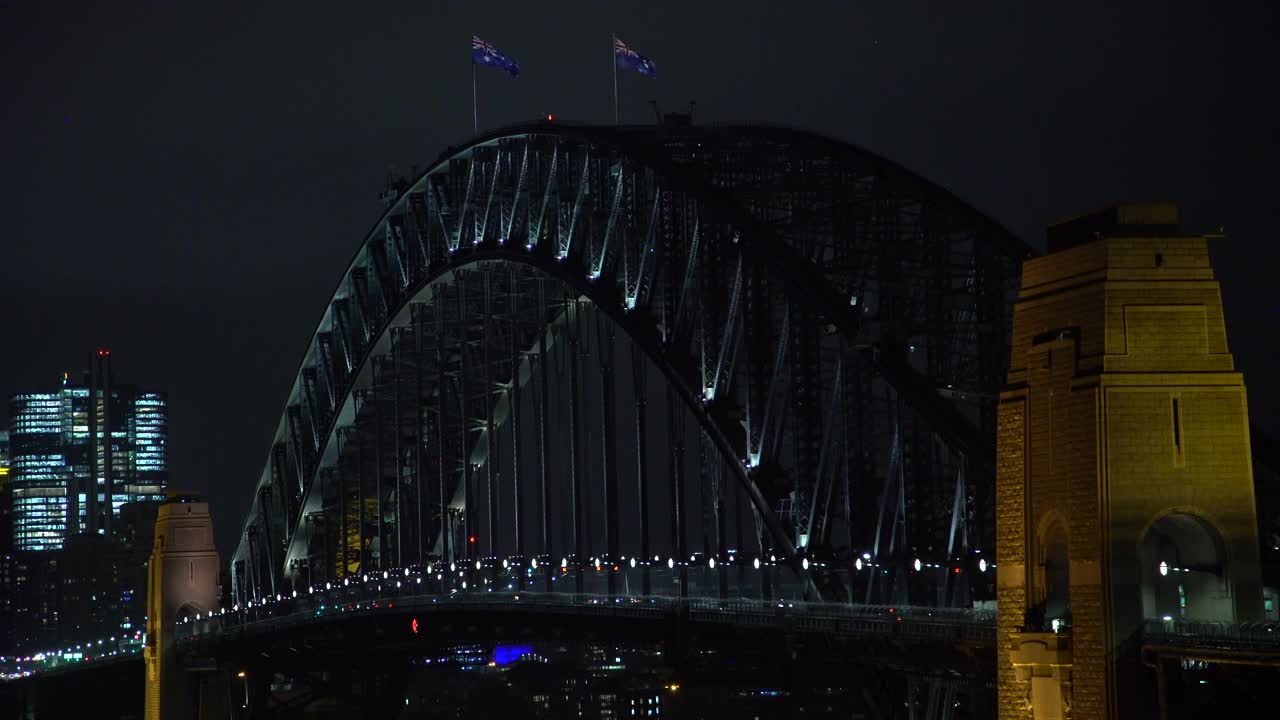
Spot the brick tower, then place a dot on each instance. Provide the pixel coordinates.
(1124, 482)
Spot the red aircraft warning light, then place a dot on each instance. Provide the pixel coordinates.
(414, 626)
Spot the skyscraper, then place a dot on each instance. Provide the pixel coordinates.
(6, 549)
(81, 451)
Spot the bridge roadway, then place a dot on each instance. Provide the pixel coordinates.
(376, 612)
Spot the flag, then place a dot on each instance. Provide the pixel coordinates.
(482, 53)
(629, 59)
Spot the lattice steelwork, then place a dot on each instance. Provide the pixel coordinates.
(695, 347)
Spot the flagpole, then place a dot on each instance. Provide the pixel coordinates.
(613, 56)
(475, 115)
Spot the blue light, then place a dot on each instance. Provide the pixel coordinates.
(507, 654)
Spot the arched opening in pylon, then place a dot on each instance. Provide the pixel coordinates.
(1184, 571)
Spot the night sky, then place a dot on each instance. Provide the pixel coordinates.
(185, 182)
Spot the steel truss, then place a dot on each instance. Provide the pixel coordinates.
(709, 345)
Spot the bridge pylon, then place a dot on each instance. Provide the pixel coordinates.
(182, 580)
(1124, 479)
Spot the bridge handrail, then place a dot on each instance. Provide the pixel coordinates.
(962, 624)
(1212, 634)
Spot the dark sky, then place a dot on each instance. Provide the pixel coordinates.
(184, 182)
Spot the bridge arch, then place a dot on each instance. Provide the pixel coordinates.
(834, 325)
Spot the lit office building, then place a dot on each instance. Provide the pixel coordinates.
(80, 452)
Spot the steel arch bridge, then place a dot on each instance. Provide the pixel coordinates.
(735, 360)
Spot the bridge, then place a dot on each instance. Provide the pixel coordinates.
(699, 385)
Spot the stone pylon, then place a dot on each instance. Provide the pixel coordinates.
(182, 580)
(1124, 481)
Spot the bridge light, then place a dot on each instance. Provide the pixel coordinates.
(804, 563)
(857, 564)
(982, 565)
(917, 565)
(477, 564)
(1164, 568)
(633, 562)
(534, 563)
(866, 556)
(505, 564)
(564, 563)
(295, 593)
(711, 563)
(453, 567)
(464, 584)
(671, 563)
(384, 575)
(756, 563)
(414, 626)
(406, 572)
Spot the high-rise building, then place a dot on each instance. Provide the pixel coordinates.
(6, 549)
(80, 452)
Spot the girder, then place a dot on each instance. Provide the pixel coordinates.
(831, 331)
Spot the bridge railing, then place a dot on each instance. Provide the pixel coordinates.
(1219, 635)
(403, 589)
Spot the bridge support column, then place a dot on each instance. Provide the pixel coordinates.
(1124, 488)
(1042, 661)
(182, 579)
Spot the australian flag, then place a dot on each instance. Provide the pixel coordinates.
(482, 53)
(629, 59)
